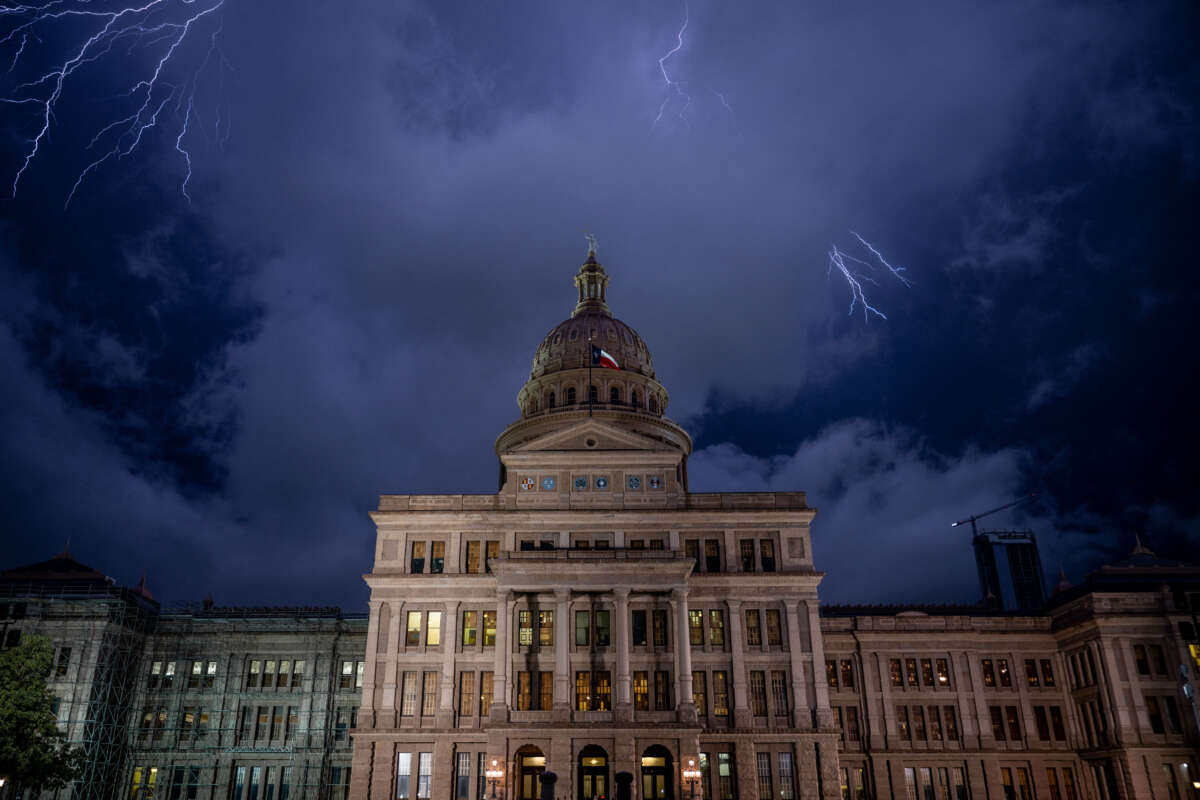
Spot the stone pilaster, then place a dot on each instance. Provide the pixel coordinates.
(683, 658)
(802, 716)
(820, 687)
(562, 655)
(504, 609)
(624, 703)
(736, 642)
(445, 713)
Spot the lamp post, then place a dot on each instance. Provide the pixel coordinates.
(690, 776)
(494, 776)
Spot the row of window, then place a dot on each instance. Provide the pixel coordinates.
(273, 673)
(267, 724)
(942, 782)
(1147, 656)
(997, 673)
(200, 674)
(275, 783)
(1095, 725)
(927, 724)
(755, 555)
(614, 398)
(179, 783)
(933, 673)
(1160, 708)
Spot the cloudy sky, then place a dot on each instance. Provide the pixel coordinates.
(213, 381)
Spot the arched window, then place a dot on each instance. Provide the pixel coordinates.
(571, 396)
(593, 395)
(614, 396)
(550, 400)
(653, 404)
(633, 399)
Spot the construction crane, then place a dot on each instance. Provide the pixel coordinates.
(971, 519)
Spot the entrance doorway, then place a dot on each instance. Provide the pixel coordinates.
(593, 773)
(531, 763)
(657, 774)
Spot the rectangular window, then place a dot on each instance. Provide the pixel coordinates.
(658, 621)
(774, 635)
(429, 694)
(720, 693)
(1042, 723)
(156, 675)
(470, 626)
(285, 674)
(831, 676)
(712, 555)
(462, 777)
(545, 628)
(288, 733)
(852, 733)
(997, 715)
(412, 634)
(1047, 673)
(433, 629)
(424, 775)
(696, 628)
(926, 672)
(412, 691)
(725, 775)
(639, 628)
(902, 722)
(1139, 656)
(474, 563)
(1031, 673)
(943, 672)
(193, 675)
(779, 692)
(716, 627)
(641, 691)
(437, 557)
(935, 724)
(753, 628)
(1005, 675)
(417, 563)
(485, 694)
(583, 624)
(918, 723)
(758, 693)
(602, 629)
(297, 673)
(603, 694)
(746, 547)
(951, 722)
(691, 548)
(403, 774)
(847, 673)
(1056, 724)
(894, 671)
(545, 691)
(699, 696)
(1172, 715)
(466, 693)
(764, 776)
(1157, 660)
(662, 690)
(268, 679)
(524, 691)
(766, 551)
(583, 691)
(491, 551)
(489, 628)
(787, 778)
(910, 670)
(341, 723)
(1014, 723)
(525, 628)
(989, 673)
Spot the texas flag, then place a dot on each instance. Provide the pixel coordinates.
(603, 359)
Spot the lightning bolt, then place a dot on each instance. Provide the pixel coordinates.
(160, 87)
(851, 268)
(677, 98)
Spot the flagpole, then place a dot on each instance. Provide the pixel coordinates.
(591, 358)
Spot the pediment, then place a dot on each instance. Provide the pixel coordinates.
(592, 435)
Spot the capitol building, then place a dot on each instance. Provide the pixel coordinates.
(594, 617)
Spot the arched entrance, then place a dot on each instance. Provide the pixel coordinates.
(530, 766)
(657, 774)
(593, 773)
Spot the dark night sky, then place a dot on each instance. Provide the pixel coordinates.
(389, 210)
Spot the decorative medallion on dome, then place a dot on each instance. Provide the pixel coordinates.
(601, 482)
(655, 482)
(548, 484)
(635, 482)
(581, 483)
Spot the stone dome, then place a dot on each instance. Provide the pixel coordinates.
(558, 378)
(567, 345)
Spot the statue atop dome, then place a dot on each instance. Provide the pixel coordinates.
(593, 248)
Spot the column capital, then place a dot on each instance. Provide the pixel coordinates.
(733, 604)
(679, 593)
(504, 594)
(562, 595)
(622, 592)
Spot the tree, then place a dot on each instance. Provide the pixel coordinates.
(33, 751)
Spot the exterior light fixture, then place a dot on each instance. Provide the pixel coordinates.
(494, 775)
(690, 776)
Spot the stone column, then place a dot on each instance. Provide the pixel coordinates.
(801, 708)
(683, 657)
(982, 718)
(386, 716)
(562, 656)
(821, 687)
(445, 714)
(624, 704)
(367, 701)
(733, 629)
(504, 607)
